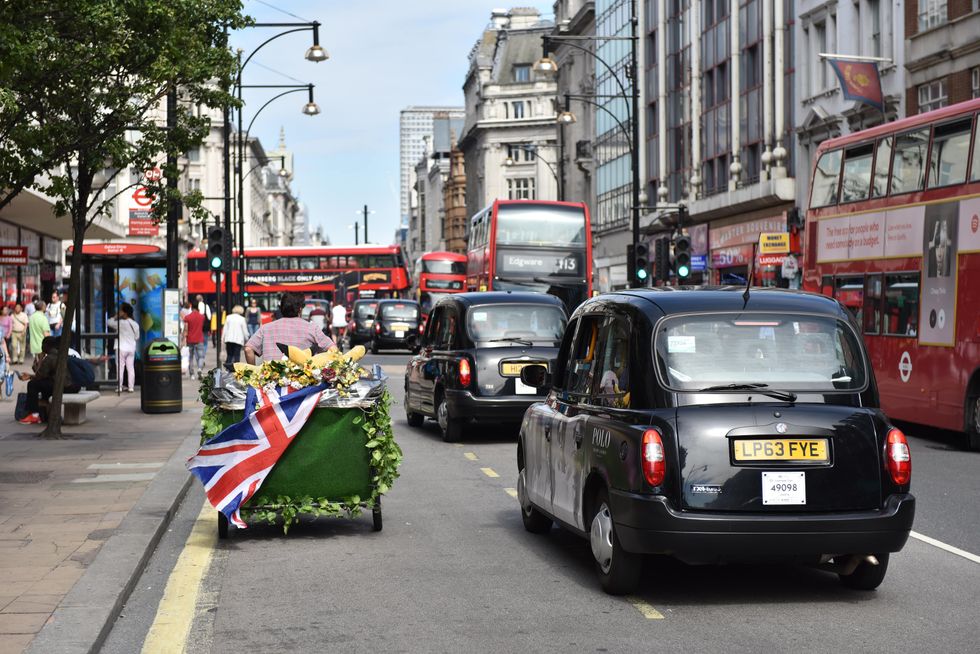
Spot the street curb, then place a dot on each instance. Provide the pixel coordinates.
(85, 617)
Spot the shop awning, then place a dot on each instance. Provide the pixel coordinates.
(35, 211)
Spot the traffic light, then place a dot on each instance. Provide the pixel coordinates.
(217, 252)
(661, 258)
(682, 256)
(641, 263)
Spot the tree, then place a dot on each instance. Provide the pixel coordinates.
(81, 90)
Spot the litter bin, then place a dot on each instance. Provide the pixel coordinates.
(161, 391)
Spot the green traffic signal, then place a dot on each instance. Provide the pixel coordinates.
(683, 271)
(641, 274)
(216, 263)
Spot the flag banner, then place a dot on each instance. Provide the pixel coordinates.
(233, 464)
(859, 80)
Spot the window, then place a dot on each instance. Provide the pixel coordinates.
(901, 304)
(908, 162)
(803, 353)
(443, 330)
(931, 14)
(540, 226)
(872, 304)
(975, 80)
(307, 263)
(194, 184)
(825, 179)
(581, 367)
(932, 95)
(975, 174)
(820, 74)
(518, 109)
(613, 372)
(874, 37)
(883, 160)
(194, 154)
(849, 291)
(522, 72)
(258, 263)
(521, 188)
(538, 323)
(857, 173)
(950, 150)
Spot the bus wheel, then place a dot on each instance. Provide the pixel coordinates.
(973, 422)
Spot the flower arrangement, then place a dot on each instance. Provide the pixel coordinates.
(300, 368)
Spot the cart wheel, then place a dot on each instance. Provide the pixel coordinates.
(376, 514)
(222, 525)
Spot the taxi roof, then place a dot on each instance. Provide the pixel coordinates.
(685, 299)
(501, 297)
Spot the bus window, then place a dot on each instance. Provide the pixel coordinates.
(950, 151)
(825, 178)
(519, 224)
(307, 263)
(901, 304)
(872, 304)
(849, 291)
(258, 263)
(910, 155)
(857, 173)
(883, 160)
(975, 175)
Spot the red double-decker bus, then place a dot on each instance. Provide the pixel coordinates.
(342, 273)
(532, 245)
(437, 274)
(893, 232)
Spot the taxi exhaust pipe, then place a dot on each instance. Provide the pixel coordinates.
(846, 565)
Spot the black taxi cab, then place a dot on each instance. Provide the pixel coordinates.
(396, 325)
(472, 353)
(716, 425)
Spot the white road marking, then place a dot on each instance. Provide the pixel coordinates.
(120, 466)
(100, 479)
(943, 546)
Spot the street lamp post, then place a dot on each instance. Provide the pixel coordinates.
(365, 213)
(315, 53)
(548, 65)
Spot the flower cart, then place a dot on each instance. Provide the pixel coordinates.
(340, 458)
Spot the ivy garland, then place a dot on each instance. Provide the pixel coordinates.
(386, 457)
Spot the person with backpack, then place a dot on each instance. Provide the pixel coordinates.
(129, 336)
(55, 313)
(41, 383)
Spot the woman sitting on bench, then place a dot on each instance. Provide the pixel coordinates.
(41, 383)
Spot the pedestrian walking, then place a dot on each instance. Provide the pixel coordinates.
(18, 335)
(7, 325)
(338, 321)
(291, 329)
(254, 316)
(205, 310)
(38, 327)
(29, 308)
(56, 314)
(235, 335)
(129, 336)
(196, 341)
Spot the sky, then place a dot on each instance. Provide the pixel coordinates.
(385, 55)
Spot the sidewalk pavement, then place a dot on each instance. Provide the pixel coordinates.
(65, 502)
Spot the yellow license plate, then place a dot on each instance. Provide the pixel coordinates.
(514, 369)
(781, 449)
(399, 326)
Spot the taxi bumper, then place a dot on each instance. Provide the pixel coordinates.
(647, 524)
(509, 408)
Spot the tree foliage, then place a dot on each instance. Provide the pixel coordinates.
(82, 90)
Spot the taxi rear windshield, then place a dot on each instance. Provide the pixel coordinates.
(719, 352)
(400, 311)
(364, 309)
(516, 322)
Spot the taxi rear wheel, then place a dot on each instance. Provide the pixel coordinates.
(534, 521)
(452, 429)
(867, 576)
(618, 570)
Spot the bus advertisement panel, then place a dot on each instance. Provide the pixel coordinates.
(893, 232)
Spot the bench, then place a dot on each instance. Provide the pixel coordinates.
(75, 404)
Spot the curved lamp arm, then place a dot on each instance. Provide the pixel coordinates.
(267, 42)
(622, 89)
(270, 101)
(626, 133)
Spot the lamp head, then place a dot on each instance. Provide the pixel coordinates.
(566, 117)
(316, 54)
(509, 161)
(311, 108)
(546, 66)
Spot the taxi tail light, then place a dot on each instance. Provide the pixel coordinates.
(377, 327)
(465, 373)
(898, 458)
(653, 461)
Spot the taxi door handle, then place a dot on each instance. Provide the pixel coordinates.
(547, 432)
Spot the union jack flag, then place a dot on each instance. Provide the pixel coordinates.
(233, 464)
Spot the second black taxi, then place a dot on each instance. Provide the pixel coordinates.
(472, 353)
(716, 425)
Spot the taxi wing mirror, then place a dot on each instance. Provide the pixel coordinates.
(536, 376)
